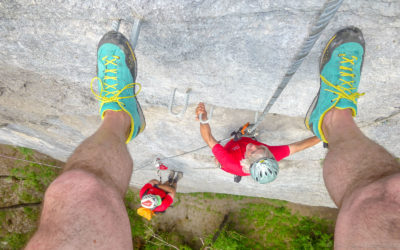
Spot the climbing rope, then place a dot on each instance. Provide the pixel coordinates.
(327, 14)
(18, 159)
(182, 154)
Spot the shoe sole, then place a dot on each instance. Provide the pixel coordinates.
(171, 179)
(177, 178)
(346, 35)
(122, 42)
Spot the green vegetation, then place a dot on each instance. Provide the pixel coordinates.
(33, 180)
(32, 213)
(35, 176)
(225, 196)
(138, 224)
(15, 240)
(261, 226)
(143, 234)
(255, 226)
(212, 196)
(227, 239)
(264, 225)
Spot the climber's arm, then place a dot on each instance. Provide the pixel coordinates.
(301, 145)
(154, 182)
(205, 129)
(170, 190)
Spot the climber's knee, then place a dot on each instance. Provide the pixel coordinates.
(370, 217)
(79, 206)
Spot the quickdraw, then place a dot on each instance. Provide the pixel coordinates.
(244, 131)
(160, 167)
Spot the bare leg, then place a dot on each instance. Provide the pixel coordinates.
(83, 208)
(173, 184)
(363, 180)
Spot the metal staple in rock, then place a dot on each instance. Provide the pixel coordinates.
(327, 14)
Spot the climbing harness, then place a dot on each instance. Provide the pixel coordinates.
(330, 9)
(244, 131)
(171, 103)
(327, 14)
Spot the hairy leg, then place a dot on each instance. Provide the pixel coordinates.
(363, 180)
(83, 208)
(105, 153)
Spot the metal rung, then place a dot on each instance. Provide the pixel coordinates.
(115, 24)
(137, 23)
(210, 113)
(171, 103)
(135, 32)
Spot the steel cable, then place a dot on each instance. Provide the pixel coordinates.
(326, 15)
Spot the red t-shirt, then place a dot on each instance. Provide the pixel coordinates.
(233, 152)
(166, 199)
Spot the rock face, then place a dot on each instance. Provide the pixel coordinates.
(232, 54)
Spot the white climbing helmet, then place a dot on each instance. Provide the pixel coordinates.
(151, 201)
(264, 170)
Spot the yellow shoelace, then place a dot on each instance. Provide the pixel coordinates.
(344, 91)
(107, 96)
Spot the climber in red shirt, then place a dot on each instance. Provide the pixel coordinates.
(247, 156)
(156, 197)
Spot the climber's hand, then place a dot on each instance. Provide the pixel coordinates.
(201, 109)
(205, 129)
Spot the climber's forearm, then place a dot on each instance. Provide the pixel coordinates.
(301, 145)
(154, 182)
(205, 131)
(167, 188)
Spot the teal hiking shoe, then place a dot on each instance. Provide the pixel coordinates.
(116, 75)
(340, 71)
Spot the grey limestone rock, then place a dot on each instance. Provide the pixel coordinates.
(232, 54)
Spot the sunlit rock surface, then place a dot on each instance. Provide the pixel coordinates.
(232, 54)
